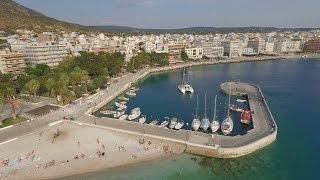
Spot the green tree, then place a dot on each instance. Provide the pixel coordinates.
(38, 70)
(50, 85)
(32, 88)
(11, 101)
(184, 55)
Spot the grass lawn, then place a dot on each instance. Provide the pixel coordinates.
(10, 121)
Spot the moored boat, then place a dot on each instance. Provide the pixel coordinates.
(131, 93)
(154, 122)
(205, 122)
(143, 119)
(227, 124)
(215, 124)
(245, 117)
(107, 112)
(179, 125)
(122, 98)
(241, 100)
(185, 87)
(123, 117)
(196, 123)
(236, 109)
(120, 105)
(118, 114)
(135, 113)
(165, 122)
(173, 123)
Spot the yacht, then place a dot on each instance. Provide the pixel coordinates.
(179, 125)
(173, 123)
(165, 122)
(215, 124)
(205, 122)
(135, 113)
(185, 87)
(227, 124)
(143, 119)
(196, 123)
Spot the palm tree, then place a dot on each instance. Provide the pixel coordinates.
(11, 100)
(50, 84)
(84, 77)
(32, 88)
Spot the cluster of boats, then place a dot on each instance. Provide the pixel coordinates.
(173, 123)
(245, 114)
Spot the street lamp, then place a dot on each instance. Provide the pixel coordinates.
(187, 132)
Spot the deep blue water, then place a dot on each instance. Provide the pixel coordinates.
(292, 91)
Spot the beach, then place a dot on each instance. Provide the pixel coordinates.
(68, 148)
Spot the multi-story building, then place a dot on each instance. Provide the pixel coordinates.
(257, 44)
(232, 48)
(49, 54)
(269, 47)
(194, 52)
(174, 50)
(211, 50)
(14, 63)
(280, 46)
(312, 45)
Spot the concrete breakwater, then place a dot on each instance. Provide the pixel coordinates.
(211, 145)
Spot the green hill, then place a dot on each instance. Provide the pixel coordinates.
(15, 16)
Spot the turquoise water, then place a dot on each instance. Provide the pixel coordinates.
(292, 91)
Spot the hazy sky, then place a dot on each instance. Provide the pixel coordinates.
(182, 13)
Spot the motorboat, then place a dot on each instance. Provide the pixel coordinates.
(215, 124)
(143, 119)
(227, 124)
(122, 98)
(185, 87)
(236, 109)
(120, 105)
(154, 122)
(173, 123)
(107, 112)
(134, 89)
(196, 123)
(131, 93)
(179, 125)
(165, 122)
(241, 100)
(135, 113)
(245, 117)
(118, 114)
(205, 122)
(123, 117)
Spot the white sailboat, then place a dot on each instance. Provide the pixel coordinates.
(227, 124)
(205, 122)
(215, 124)
(196, 123)
(185, 87)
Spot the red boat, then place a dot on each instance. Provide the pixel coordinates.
(245, 117)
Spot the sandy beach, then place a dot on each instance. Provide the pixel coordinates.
(67, 149)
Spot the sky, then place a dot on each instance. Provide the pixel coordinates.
(182, 13)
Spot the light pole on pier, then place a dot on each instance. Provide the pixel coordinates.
(187, 132)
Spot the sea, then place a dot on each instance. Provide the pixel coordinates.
(292, 91)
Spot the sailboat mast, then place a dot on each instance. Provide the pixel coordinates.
(215, 108)
(197, 107)
(229, 101)
(205, 105)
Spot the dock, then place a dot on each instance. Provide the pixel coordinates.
(264, 130)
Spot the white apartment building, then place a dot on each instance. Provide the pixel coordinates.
(280, 47)
(269, 47)
(50, 55)
(257, 44)
(232, 48)
(194, 52)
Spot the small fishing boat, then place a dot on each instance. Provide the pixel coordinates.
(179, 125)
(196, 123)
(245, 117)
(143, 119)
(123, 117)
(135, 113)
(107, 112)
(122, 98)
(215, 124)
(120, 105)
(173, 123)
(118, 114)
(134, 89)
(241, 100)
(165, 122)
(235, 109)
(154, 122)
(131, 93)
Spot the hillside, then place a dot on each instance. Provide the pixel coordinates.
(15, 16)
